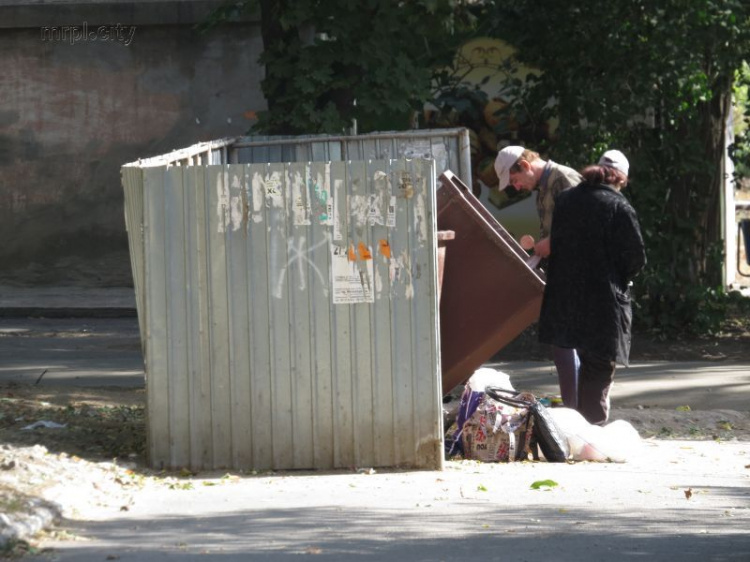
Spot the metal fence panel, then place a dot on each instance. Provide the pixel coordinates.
(132, 183)
(196, 279)
(448, 147)
(289, 313)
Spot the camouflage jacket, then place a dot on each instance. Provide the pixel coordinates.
(555, 179)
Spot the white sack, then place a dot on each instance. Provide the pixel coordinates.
(617, 441)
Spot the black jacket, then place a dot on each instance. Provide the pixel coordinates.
(596, 250)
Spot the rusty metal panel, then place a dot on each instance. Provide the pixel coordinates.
(289, 313)
(489, 293)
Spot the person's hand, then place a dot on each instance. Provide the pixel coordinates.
(542, 248)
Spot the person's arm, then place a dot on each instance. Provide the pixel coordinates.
(629, 251)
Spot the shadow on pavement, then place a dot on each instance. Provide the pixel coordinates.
(474, 531)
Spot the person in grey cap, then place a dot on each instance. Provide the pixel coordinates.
(596, 251)
(525, 170)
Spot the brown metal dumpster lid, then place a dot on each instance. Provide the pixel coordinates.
(489, 293)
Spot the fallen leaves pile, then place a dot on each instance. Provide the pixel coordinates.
(96, 432)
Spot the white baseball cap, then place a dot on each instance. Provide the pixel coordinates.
(505, 159)
(615, 159)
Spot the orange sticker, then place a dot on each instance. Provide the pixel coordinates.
(385, 249)
(364, 253)
(352, 253)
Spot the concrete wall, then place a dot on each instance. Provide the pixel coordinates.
(87, 86)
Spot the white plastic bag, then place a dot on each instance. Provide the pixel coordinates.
(617, 441)
(484, 377)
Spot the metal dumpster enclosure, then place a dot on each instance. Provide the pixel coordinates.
(288, 311)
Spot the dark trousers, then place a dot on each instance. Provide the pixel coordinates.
(594, 381)
(567, 364)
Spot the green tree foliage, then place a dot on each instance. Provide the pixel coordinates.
(741, 148)
(653, 78)
(329, 62)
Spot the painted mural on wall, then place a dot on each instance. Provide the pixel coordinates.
(477, 94)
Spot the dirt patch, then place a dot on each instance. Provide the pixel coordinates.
(684, 424)
(97, 424)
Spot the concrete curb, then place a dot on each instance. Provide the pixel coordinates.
(41, 515)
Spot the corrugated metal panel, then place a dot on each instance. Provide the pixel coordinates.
(448, 147)
(290, 313)
(132, 183)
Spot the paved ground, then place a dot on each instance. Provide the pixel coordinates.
(82, 351)
(67, 301)
(674, 499)
(671, 503)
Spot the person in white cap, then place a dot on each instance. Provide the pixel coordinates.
(525, 170)
(596, 251)
(616, 159)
